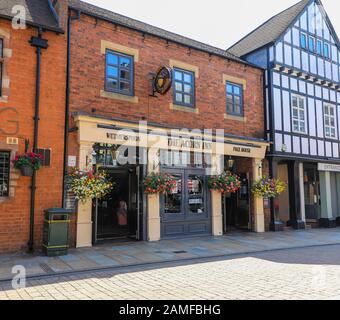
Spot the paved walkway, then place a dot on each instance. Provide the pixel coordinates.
(307, 273)
(140, 253)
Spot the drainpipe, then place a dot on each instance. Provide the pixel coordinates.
(39, 43)
(67, 103)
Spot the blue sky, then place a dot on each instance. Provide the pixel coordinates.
(217, 22)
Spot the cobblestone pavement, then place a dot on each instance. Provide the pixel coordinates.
(306, 273)
(117, 255)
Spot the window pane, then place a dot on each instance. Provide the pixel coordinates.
(187, 88)
(178, 75)
(303, 41)
(326, 50)
(319, 47)
(237, 109)
(173, 200)
(302, 115)
(302, 127)
(311, 44)
(187, 78)
(112, 84)
(229, 107)
(229, 88)
(124, 62)
(124, 86)
(187, 99)
(294, 101)
(112, 72)
(125, 74)
(179, 97)
(196, 194)
(237, 90)
(4, 173)
(237, 100)
(179, 86)
(301, 103)
(112, 59)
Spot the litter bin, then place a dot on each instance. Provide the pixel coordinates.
(56, 231)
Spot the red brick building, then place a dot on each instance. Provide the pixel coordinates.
(98, 71)
(112, 61)
(20, 42)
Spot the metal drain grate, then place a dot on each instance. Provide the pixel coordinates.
(46, 268)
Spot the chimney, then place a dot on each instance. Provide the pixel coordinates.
(61, 9)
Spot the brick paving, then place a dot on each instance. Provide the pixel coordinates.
(304, 273)
(112, 255)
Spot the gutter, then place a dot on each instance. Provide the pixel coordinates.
(36, 25)
(67, 100)
(39, 43)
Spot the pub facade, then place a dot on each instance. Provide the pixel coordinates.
(211, 119)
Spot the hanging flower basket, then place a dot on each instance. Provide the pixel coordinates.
(224, 183)
(28, 163)
(86, 185)
(268, 188)
(159, 183)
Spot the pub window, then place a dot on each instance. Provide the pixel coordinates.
(329, 114)
(184, 88)
(299, 114)
(4, 173)
(303, 41)
(119, 73)
(1, 63)
(234, 99)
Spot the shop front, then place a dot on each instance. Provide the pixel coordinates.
(129, 151)
(329, 194)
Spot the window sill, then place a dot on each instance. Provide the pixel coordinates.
(235, 118)
(118, 96)
(183, 108)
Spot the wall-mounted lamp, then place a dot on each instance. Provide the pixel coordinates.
(231, 163)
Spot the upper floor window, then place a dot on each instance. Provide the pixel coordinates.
(303, 41)
(119, 73)
(234, 99)
(330, 128)
(319, 47)
(326, 50)
(299, 114)
(311, 44)
(4, 173)
(184, 87)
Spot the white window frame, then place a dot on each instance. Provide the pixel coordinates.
(328, 116)
(301, 122)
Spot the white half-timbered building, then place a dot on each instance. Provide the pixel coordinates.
(300, 51)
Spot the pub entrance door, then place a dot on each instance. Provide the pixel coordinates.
(187, 210)
(116, 216)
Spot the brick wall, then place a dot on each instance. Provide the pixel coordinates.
(16, 120)
(88, 69)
